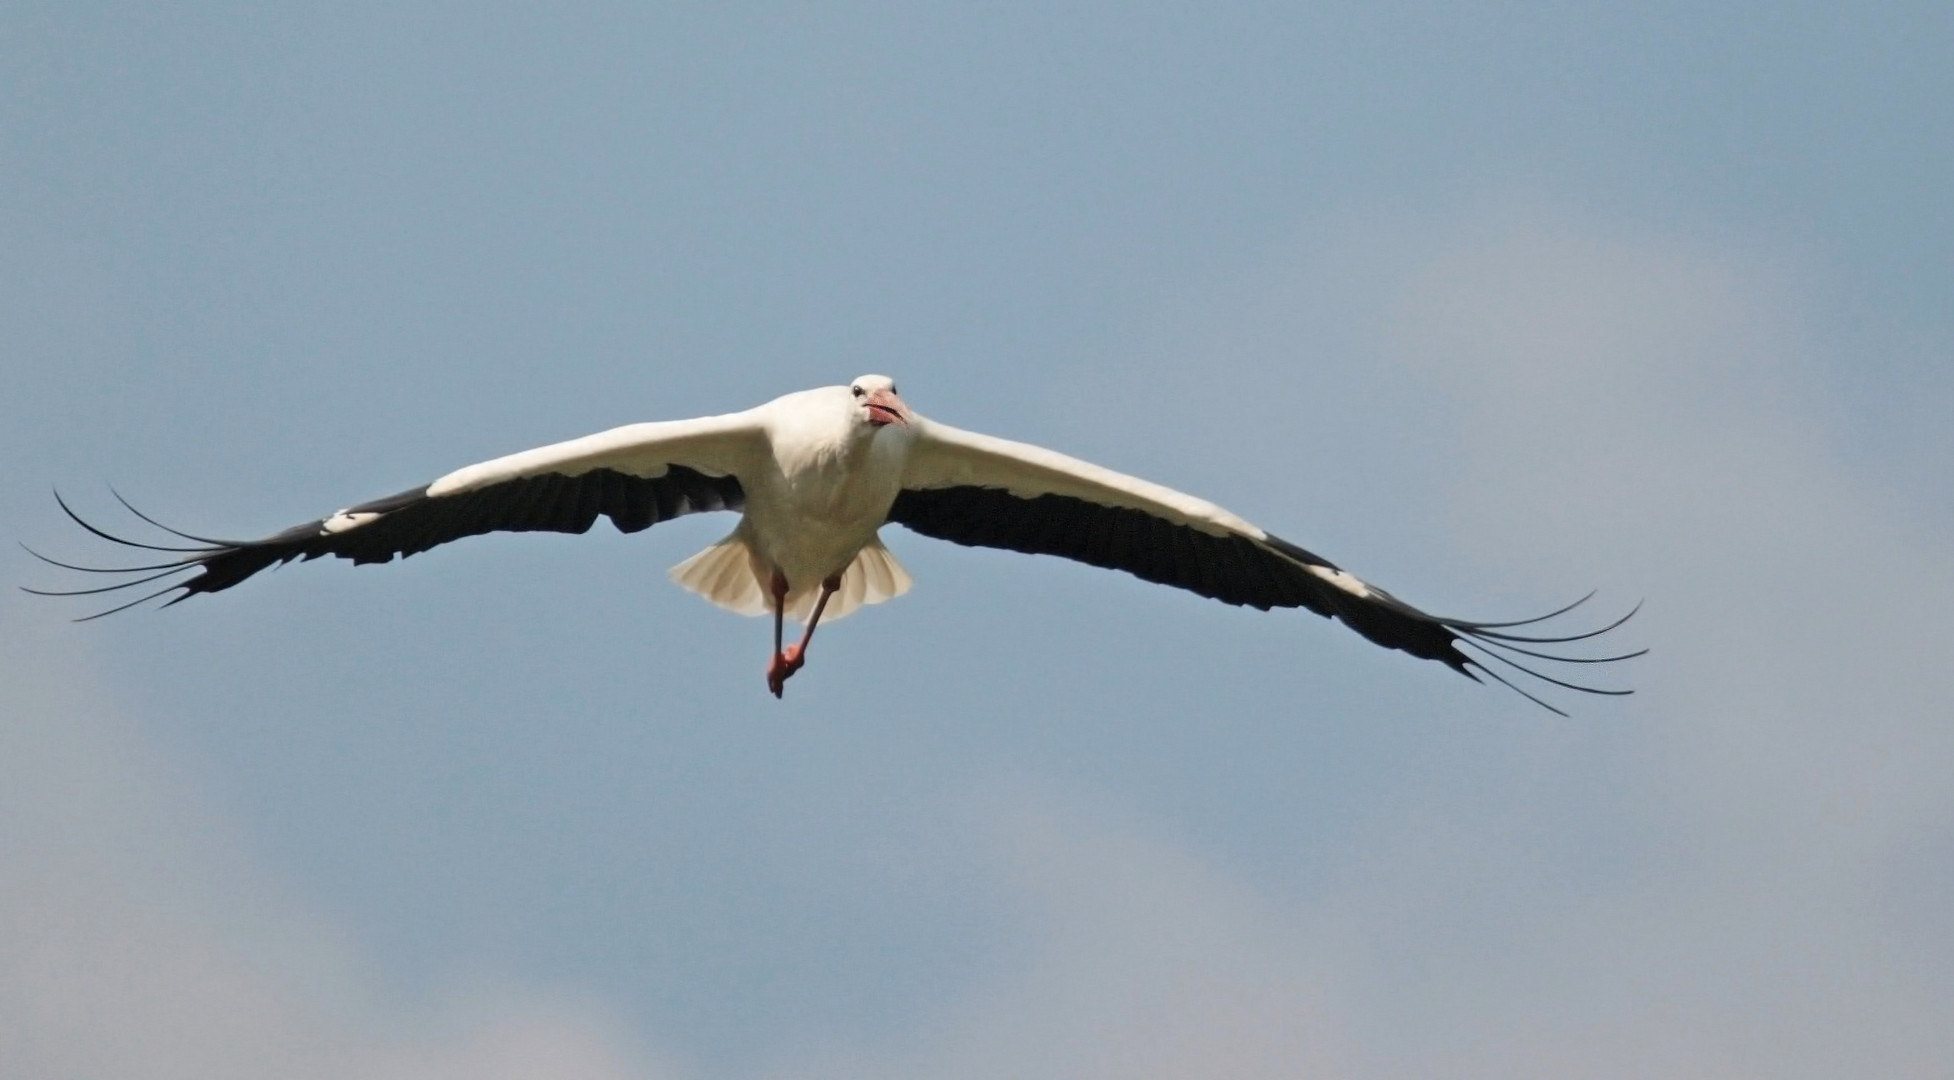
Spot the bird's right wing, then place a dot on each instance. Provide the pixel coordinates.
(983, 491)
(636, 475)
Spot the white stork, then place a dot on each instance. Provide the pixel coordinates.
(815, 476)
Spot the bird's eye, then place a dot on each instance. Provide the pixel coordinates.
(892, 388)
(856, 390)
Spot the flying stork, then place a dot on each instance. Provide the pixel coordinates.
(815, 475)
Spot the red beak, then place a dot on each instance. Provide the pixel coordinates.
(885, 408)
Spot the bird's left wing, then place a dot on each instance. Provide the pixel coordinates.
(984, 491)
(636, 475)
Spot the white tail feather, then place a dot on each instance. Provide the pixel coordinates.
(873, 576)
(723, 574)
(727, 575)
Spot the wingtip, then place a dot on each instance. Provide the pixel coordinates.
(1490, 646)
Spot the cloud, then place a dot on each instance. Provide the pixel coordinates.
(138, 939)
(1143, 962)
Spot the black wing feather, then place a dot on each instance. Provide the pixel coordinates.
(1231, 568)
(414, 521)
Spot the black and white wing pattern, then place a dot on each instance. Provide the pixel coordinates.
(636, 475)
(983, 491)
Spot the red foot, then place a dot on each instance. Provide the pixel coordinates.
(781, 667)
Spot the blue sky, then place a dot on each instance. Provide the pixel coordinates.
(1489, 305)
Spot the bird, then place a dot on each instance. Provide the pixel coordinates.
(815, 475)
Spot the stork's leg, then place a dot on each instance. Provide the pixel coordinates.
(791, 660)
(777, 669)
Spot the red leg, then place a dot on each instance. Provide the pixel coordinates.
(796, 655)
(777, 669)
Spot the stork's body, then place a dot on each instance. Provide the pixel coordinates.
(825, 486)
(816, 475)
(819, 497)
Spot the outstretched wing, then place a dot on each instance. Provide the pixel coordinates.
(637, 476)
(987, 492)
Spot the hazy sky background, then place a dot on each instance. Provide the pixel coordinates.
(1491, 304)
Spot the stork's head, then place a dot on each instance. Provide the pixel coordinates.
(876, 401)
